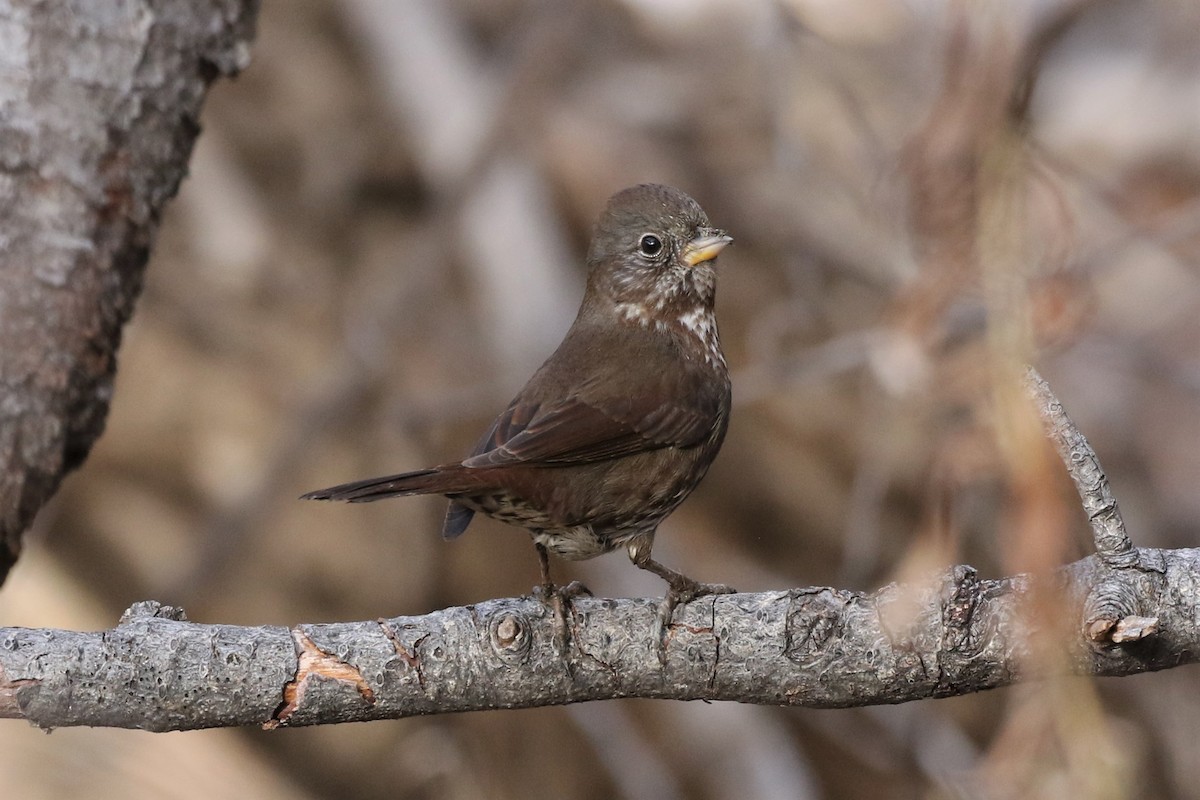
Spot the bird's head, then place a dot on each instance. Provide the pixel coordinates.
(652, 255)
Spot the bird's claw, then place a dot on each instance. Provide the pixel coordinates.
(687, 592)
(555, 596)
(681, 593)
(558, 600)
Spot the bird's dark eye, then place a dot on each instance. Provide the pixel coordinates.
(650, 245)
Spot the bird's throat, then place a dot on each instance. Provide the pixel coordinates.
(692, 325)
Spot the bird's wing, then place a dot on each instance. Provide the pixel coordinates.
(578, 431)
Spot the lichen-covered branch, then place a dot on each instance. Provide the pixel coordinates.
(952, 635)
(98, 112)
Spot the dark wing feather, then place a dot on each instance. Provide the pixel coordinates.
(560, 420)
(507, 425)
(458, 517)
(577, 432)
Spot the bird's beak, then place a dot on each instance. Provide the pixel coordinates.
(705, 247)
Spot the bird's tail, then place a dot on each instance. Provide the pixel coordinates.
(440, 480)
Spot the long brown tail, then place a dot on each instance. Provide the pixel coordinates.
(440, 480)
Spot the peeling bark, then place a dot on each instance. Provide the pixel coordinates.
(99, 105)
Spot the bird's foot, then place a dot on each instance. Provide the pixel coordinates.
(558, 597)
(555, 596)
(687, 590)
(682, 591)
(558, 600)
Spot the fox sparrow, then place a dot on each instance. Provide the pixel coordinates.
(622, 421)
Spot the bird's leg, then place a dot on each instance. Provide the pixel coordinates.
(681, 589)
(547, 590)
(544, 564)
(558, 599)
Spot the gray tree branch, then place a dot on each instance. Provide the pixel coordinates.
(99, 105)
(821, 647)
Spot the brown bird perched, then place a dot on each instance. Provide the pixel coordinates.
(622, 421)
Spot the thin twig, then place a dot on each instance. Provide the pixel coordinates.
(1113, 544)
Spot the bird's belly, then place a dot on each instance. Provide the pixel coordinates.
(574, 544)
(591, 509)
(572, 541)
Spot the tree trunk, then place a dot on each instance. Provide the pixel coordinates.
(99, 105)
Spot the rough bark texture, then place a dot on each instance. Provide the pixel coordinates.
(1112, 541)
(815, 647)
(98, 112)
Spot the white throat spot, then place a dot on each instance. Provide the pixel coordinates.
(699, 323)
(639, 314)
(633, 312)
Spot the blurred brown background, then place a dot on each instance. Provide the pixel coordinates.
(382, 236)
